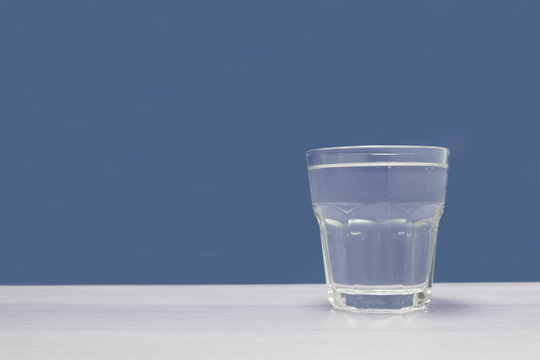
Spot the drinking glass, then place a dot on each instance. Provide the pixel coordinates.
(378, 209)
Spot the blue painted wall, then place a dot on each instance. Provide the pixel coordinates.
(163, 141)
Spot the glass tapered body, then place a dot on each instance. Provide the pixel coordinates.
(378, 209)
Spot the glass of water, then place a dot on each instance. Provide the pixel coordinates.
(378, 209)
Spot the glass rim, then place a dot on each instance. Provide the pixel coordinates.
(379, 147)
(377, 155)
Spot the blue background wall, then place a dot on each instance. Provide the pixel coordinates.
(164, 141)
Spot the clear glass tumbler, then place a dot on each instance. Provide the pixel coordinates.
(378, 209)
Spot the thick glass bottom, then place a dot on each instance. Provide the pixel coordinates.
(391, 301)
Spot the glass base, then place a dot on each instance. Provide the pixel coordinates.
(389, 301)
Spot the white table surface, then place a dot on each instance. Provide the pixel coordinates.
(465, 321)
